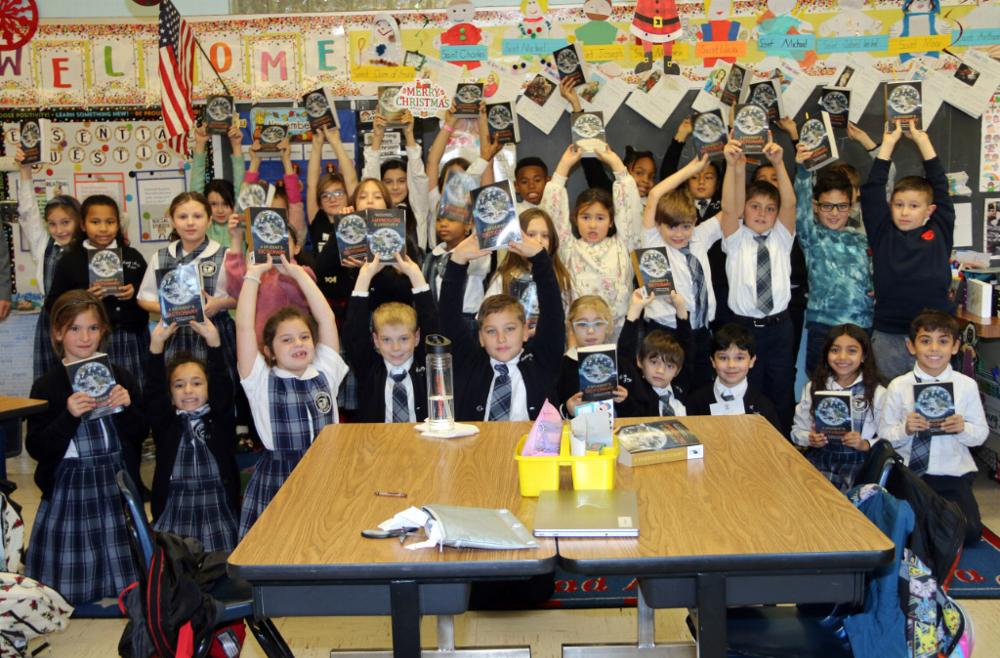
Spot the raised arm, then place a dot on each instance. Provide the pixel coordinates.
(196, 177)
(295, 219)
(669, 184)
(312, 176)
(318, 305)
(555, 200)
(804, 216)
(451, 297)
(30, 218)
(246, 312)
(345, 162)
(786, 214)
(417, 184)
(874, 206)
(733, 188)
(549, 341)
(236, 157)
(357, 337)
(672, 157)
(373, 161)
(438, 146)
(625, 196)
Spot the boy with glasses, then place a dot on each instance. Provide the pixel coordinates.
(837, 260)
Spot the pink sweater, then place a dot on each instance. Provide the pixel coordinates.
(276, 290)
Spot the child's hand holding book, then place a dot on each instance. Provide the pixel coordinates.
(208, 331)
(160, 335)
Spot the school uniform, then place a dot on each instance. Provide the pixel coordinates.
(210, 259)
(515, 390)
(288, 411)
(701, 401)
(46, 253)
(417, 198)
(476, 169)
(644, 399)
(692, 272)
(381, 397)
(479, 269)
(79, 544)
(943, 461)
(759, 271)
(839, 463)
(128, 341)
(196, 484)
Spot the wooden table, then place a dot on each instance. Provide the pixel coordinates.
(985, 327)
(13, 408)
(751, 523)
(305, 555)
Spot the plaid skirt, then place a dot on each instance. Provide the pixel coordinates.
(271, 472)
(186, 340)
(129, 350)
(839, 463)
(79, 544)
(45, 358)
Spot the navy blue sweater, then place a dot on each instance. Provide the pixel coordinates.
(912, 268)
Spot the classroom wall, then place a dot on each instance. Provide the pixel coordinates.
(126, 8)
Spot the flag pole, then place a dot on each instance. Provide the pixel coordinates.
(212, 65)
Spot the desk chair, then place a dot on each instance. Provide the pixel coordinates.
(233, 598)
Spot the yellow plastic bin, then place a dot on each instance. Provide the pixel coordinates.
(591, 471)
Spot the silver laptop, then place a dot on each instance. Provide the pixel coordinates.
(613, 513)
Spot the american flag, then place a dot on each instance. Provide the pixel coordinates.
(176, 65)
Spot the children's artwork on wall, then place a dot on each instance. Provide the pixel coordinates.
(386, 47)
(850, 21)
(777, 23)
(462, 34)
(989, 147)
(535, 24)
(656, 22)
(719, 28)
(921, 18)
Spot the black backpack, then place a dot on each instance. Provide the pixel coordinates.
(169, 614)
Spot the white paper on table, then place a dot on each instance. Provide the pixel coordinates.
(657, 104)
(963, 225)
(544, 117)
(609, 97)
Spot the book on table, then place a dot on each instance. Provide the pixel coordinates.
(652, 270)
(179, 290)
(94, 377)
(105, 269)
(935, 401)
(597, 368)
(657, 442)
(587, 513)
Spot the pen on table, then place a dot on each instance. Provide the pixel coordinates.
(391, 494)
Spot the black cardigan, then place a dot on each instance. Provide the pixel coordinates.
(754, 402)
(50, 431)
(168, 428)
(369, 366)
(73, 273)
(539, 360)
(642, 399)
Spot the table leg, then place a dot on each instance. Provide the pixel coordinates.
(404, 598)
(711, 615)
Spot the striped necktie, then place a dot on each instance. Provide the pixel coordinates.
(920, 447)
(666, 409)
(500, 404)
(698, 289)
(765, 298)
(400, 398)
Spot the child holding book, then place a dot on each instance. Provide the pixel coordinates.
(847, 364)
(61, 222)
(392, 383)
(911, 239)
(327, 196)
(669, 221)
(189, 216)
(128, 337)
(837, 260)
(596, 243)
(221, 193)
(733, 357)
(940, 454)
(196, 484)
(288, 195)
(291, 379)
(590, 323)
(504, 376)
(659, 359)
(758, 226)
(79, 544)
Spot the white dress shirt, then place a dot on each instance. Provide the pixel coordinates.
(949, 452)
(407, 384)
(677, 405)
(804, 420)
(741, 270)
(148, 290)
(704, 236)
(475, 282)
(518, 393)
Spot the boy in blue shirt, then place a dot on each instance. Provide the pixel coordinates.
(911, 242)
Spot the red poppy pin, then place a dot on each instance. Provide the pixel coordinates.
(927, 235)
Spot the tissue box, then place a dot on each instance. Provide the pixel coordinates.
(592, 471)
(979, 298)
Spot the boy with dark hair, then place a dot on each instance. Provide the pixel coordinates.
(505, 376)
(530, 176)
(651, 377)
(911, 241)
(758, 227)
(733, 356)
(943, 461)
(840, 272)
(392, 387)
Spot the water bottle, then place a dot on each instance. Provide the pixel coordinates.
(440, 393)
